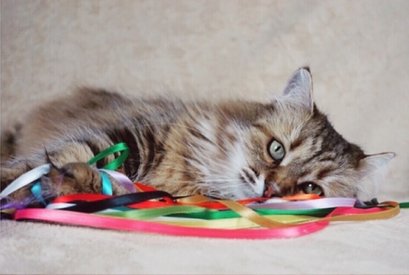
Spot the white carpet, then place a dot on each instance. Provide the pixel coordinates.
(359, 55)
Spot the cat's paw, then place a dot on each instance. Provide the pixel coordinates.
(80, 177)
(75, 177)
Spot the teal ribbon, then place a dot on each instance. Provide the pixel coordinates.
(106, 184)
(36, 190)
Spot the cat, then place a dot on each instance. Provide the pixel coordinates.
(233, 150)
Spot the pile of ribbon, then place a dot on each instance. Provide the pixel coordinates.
(153, 211)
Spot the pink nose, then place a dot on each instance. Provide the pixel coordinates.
(269, 192)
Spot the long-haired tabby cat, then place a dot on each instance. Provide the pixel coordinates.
(234, 149)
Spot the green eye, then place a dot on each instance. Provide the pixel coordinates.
(311, 188)
(276, 150)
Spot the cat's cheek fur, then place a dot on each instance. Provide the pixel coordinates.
(222, 169)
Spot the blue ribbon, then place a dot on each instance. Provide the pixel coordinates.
(106, 184)
(36, 191)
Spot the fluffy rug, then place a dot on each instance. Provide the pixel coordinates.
(358, 52)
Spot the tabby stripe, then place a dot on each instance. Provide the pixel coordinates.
(263, 129)
(95, 150)
(324, 172)
(132, 163)
(149, 139)
(296, 143)
(160, 147)
(196, 133)
(249, 177)
(316, 154)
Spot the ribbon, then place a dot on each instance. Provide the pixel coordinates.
(36, 191)
(183, 228)
(116, 201)
(404, 205)
(25, 179)
(116, 163)
(238, 222)
(121, 179)
(106, 183)
(308, 204)
(95, 221)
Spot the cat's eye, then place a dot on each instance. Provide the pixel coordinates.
(276, 150)
(311, 188)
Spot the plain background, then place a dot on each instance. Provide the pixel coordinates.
(359, 55)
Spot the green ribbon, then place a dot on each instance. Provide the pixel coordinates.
(404, 205)
(113, 165)
(116, 163)
(196, 212)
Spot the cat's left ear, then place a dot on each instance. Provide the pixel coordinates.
(299, 88)
(373, 169)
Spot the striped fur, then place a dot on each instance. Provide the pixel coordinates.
(197, 147)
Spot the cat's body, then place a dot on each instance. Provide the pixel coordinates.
(234, 149)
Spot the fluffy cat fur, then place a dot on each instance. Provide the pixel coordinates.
(186, 148)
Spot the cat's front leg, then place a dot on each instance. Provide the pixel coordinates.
(69, 173)
(80, 177)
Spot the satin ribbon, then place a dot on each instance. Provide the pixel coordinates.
(250, 218)
(36, 191)
(251, 223)
(116, 163)
(294, 230)
(308, 204)
(106, 184)
(121, 178)
(202, 201)
(404, 205)
(95, 221)
(26, 179)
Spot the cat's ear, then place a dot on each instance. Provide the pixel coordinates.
(373, 169)
(375, 161)
(299, 88)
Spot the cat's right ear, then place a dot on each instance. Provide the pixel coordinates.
(299, 88)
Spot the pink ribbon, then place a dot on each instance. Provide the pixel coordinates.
(92, 220)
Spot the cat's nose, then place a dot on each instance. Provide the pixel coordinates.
(268, 192)
(271, 189)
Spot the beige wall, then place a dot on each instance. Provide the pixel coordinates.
(358, 52)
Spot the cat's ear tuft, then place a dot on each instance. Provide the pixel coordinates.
(373, 170)
(299, 88)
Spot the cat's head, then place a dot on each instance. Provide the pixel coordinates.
(283, 147)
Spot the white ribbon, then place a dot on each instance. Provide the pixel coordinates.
(25, 179)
